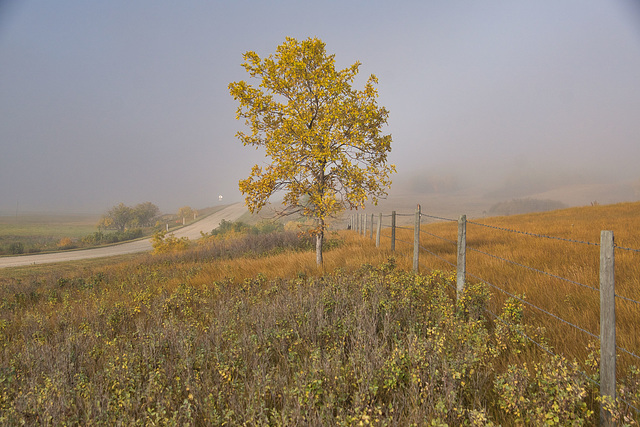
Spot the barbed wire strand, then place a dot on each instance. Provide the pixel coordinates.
(630, 353)
(438, 237)
(541, 346)
(404, 241)
(535, 269)
(627, 299)
(591, 334)
(526, 233)
(626, 249)
(438, 217)
(437, 256)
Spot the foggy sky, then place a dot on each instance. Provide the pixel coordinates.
(120, 101)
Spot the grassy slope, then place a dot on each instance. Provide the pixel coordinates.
(573, 261)
(200, 339)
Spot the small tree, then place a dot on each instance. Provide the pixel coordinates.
(185, 212)
(144, 213)
(323, 137)
(118, 217)
(121, 216)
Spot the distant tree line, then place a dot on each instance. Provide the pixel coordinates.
(122, 217)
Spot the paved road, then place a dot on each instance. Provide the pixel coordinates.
(192, 231)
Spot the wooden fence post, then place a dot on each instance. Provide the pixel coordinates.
(371, 235)
(379, 230)
(462, 256)
(607, 325)
(393, 231)
(364, 228)
(416, 240)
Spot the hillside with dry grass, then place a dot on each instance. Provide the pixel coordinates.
(242, 328)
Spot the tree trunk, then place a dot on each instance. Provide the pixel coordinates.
(319, 239)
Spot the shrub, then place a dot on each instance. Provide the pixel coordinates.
(100, 238)
(66, 243)
(16, 248)
(162, 243)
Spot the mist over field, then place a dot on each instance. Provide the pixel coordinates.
(110, 102)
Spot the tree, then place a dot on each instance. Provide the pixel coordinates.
(144, 213)
(121, 216)
(323, 137)
(118, 217)
(185, 212)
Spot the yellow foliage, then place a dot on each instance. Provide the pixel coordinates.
(185, 212)
(323, 137)
(65, 242)
(162, 243)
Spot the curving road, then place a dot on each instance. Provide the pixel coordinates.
(192, 231)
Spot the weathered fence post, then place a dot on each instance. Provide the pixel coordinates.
(371, 235)
(462, 256)
(607, 326)
(364, 228)
(379, 231)
(393, 231)
(416, 240)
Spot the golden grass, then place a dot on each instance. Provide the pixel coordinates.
(576, 262)
(141, 300)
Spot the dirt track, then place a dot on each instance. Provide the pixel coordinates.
(230, 213)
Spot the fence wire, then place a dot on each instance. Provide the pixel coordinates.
(526, 233)
(541, 346)
(437, 256)
(534, 269)
(630, 353)
(535, 306)
(437, 217)
(627, 299)
(404, 241)
(626, 249)
(439, 237)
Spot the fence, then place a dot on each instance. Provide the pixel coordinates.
(607, 337)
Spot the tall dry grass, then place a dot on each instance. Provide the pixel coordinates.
(576, 262)
(250, 330)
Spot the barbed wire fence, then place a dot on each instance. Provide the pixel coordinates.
(606, 290)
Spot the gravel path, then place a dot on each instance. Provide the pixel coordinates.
(192, 231)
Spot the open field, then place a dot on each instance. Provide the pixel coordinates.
(35, 233)
(246, 328)
(44, 230)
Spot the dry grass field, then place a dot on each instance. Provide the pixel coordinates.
(245, 329)
(576, 262)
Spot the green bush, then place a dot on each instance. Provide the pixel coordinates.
(16, 248)
(101, 238)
